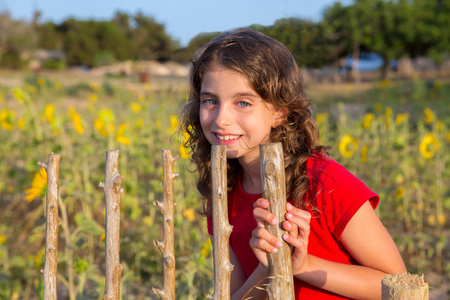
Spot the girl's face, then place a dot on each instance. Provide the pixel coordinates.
(233, 114)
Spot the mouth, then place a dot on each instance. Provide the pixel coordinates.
(227, 137)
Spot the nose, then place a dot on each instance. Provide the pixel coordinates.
(223, 116)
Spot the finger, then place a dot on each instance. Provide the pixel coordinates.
(261, 203)
(298, 212)
(263, 215)
(291, 228)
(296, 242)
(264, 240)
(296, 226)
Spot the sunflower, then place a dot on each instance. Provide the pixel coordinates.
(428, 146)
(40, 81)
(347, 145)
(401, 118)
(173, 123)
(38, 185)
(139, 123)
(7, 119)
(78, 123)
(50, 113)
(183, 150)
(136, 107)
(105, 122)
(189, 213)
(121, 134)
(429, 116)
(321, 118)
(368, 118)
(364, 151)
(206, 249)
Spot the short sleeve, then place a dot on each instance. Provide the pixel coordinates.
(340, 196)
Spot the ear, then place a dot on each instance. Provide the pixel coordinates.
(280, 116)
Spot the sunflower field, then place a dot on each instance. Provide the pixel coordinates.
(395, 138)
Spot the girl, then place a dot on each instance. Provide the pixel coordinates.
(245, 90)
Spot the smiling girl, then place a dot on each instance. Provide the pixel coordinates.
(245, 90)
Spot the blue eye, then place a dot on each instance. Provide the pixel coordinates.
(210, 101)
(243, 104)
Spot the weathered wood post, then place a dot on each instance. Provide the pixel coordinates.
(404, 287)
(112, 191)
(51, 240)
(221, 227)
(166, 246)
(274, 190)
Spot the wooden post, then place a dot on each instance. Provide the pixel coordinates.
(274, 190)
(404, 286)
(51, 240)
(166, 246)
(112, 191)
(221, 227)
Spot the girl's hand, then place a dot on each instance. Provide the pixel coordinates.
(297, 224)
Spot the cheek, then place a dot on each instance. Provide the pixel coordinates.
(203, 118)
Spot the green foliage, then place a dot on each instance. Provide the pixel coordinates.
(151, 40)
(103, 58)
(54, 64)
(16, 38)
(185, 54)
(308, 41)
(49, 37)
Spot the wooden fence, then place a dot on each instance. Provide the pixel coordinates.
(281, 286)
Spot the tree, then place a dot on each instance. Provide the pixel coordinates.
(151, 39)
(431, 29)
(185, 54)
(16, 37)
(49, 37)
(84, 41)
(307, 40)
(391, 31)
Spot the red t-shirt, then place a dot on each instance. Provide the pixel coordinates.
(339, 195)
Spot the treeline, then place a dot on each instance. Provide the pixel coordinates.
(393, 29)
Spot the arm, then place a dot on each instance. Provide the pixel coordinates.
(242, 287)
(367, 241)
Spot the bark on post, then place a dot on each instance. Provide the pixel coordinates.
(51, 240)
(166, 246)
(112, 191)
(404, 286)
(274, 190)
(221, 227)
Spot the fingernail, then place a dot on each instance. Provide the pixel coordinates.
(274, 221)
(279, 245)
(274, 250)
(265, 202)
(289, 206)
(289, 215)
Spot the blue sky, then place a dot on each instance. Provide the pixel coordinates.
(183, 19)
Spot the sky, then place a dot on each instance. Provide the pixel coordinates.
(183, 19)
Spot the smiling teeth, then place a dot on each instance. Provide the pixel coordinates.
(227, 137)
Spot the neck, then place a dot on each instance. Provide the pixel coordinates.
(251, 176)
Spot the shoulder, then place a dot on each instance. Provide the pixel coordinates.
(322, 167)
(327, 177)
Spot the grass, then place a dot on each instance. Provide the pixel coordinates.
(395, 137)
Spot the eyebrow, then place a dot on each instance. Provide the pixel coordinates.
(206, 93)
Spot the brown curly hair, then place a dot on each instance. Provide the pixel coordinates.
(274, 75)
